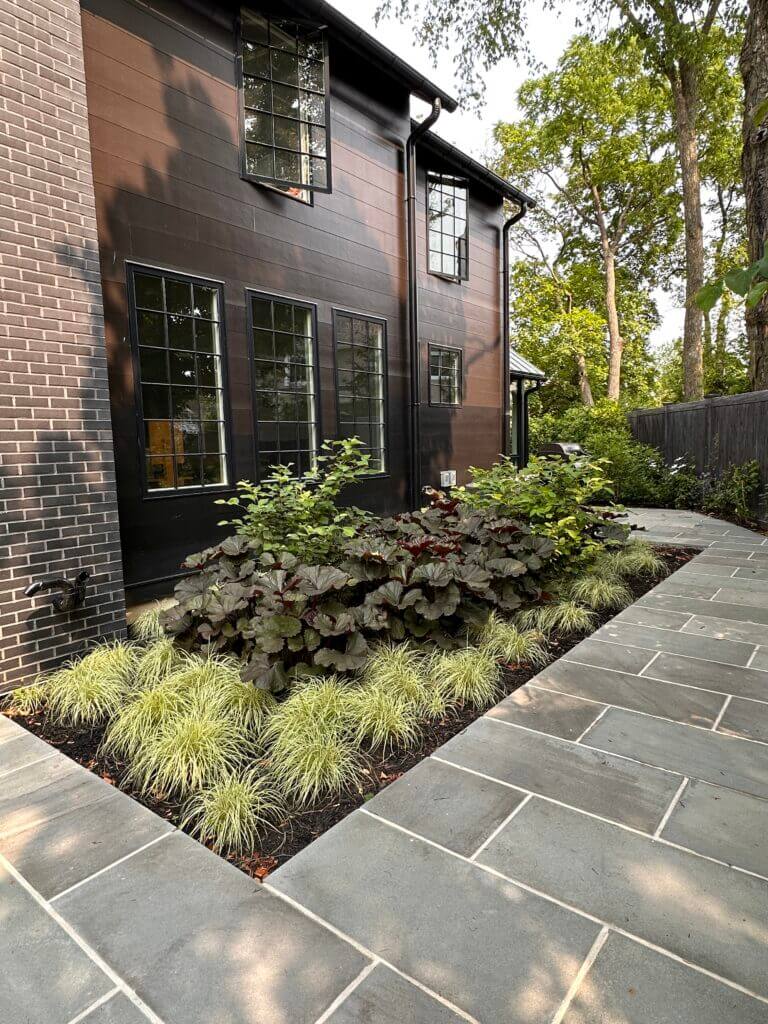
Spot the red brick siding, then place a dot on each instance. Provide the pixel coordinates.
(58, 509)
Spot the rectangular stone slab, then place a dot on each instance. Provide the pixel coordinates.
(727, 629)
(46, 977)
(636, 693)
(752, 573)
(689, 586)
(623, 659)
(642, 615)
(21, 750)
(706, 913)
(198, 940)
(672, 642)
(742, 682)
(721, 609)
(723, 824)
(609, 786)
(553, 713)
(383, 997)
(447, 805)
(735, 561)
(632, 984)
(697, 753)
(760, 660)
(745, 718)
(704, 567)
(747, 594)
(492, 949)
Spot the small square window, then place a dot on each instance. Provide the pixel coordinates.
(445, 376)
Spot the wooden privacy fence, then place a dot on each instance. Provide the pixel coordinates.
(713, 434)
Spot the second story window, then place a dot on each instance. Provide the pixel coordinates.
(448, 225)
(285, 115)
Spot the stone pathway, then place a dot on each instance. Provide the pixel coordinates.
(591, 851)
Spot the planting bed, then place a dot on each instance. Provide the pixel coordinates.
(301, 827)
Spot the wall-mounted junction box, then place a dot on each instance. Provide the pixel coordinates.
(448, 478)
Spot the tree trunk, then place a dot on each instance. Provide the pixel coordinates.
(683, 80)
(585, 391)
(615, 341)
(754, 168)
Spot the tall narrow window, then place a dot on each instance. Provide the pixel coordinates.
(361, 360)
(177, 324)
(285, 113)
(444, 375)
(284, 362)
(448, 226)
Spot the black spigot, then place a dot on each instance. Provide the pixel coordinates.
(67, 594)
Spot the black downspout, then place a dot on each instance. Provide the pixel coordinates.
(414, 479)
(505, 378)
(526, 392)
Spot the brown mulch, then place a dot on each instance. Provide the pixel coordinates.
(301, 827)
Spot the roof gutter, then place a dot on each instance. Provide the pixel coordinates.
(508, 223)
(414, 477)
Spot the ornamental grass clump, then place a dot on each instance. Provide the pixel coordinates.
(146, 627)
(231, 814)
(190, 751)
(566, 616)
(635, 559)
(381, 718)
(511, 645)
(27, 700)
(309, 742)
(158, 660)
(403, 671)
(90, 692)
(468, 676)
(140, 720)
(600, 591)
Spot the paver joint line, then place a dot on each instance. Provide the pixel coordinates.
(673, 804)
(581, 974)
(114, 864)
(94, 1006)
(345, 993)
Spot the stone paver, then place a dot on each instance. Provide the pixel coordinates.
(518, 876)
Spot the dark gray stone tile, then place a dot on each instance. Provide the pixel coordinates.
(760, 660)
(60, 851)
(737, 546)
(492, 949)
(720, 609)
(697, 753)
(46, 977)
(386, 998)
(727, 629)
(746, 594)
(723, 824)
(704, 912)
(117, 1010)
(632, 984)
(553, 713)
(623, 659)
(22, 750)
(198, 940)
(752, 573)
(743, 682)
(709, 649)
(636, 693)
(738, 560)
(697, 567)
(610, 786)
(641, 615)
(44, 790)
(745, 718)
(447, 805)
(687, 586)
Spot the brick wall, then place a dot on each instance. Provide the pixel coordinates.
(58, 510)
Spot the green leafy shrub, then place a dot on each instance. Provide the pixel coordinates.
(568, 501)
(231, 814)
(735, 492)
(423, 575)
(300, 515)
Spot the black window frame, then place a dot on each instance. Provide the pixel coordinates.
(304, 304)
(434, 347)
(277, 185)
(157, 494)
(368, 318)
(464, 183)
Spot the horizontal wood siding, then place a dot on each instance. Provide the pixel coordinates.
(163, 121)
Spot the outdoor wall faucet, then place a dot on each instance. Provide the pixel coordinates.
(67, 595)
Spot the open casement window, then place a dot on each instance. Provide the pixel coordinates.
(361, 382)
(285, 116)
(445, 375)
(178, 350)
(284, 348)
(448, 226)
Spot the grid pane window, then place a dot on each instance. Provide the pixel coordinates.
(445, 376)
(448, 226)
(285, 108)
(283, 336)
(178, 334)
(361, 383)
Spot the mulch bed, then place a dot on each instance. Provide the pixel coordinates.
(300, 828)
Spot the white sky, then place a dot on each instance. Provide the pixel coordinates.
(548, 34)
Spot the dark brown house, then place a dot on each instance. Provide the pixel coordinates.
(283, 257)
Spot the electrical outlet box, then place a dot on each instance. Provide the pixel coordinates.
(448, 478)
